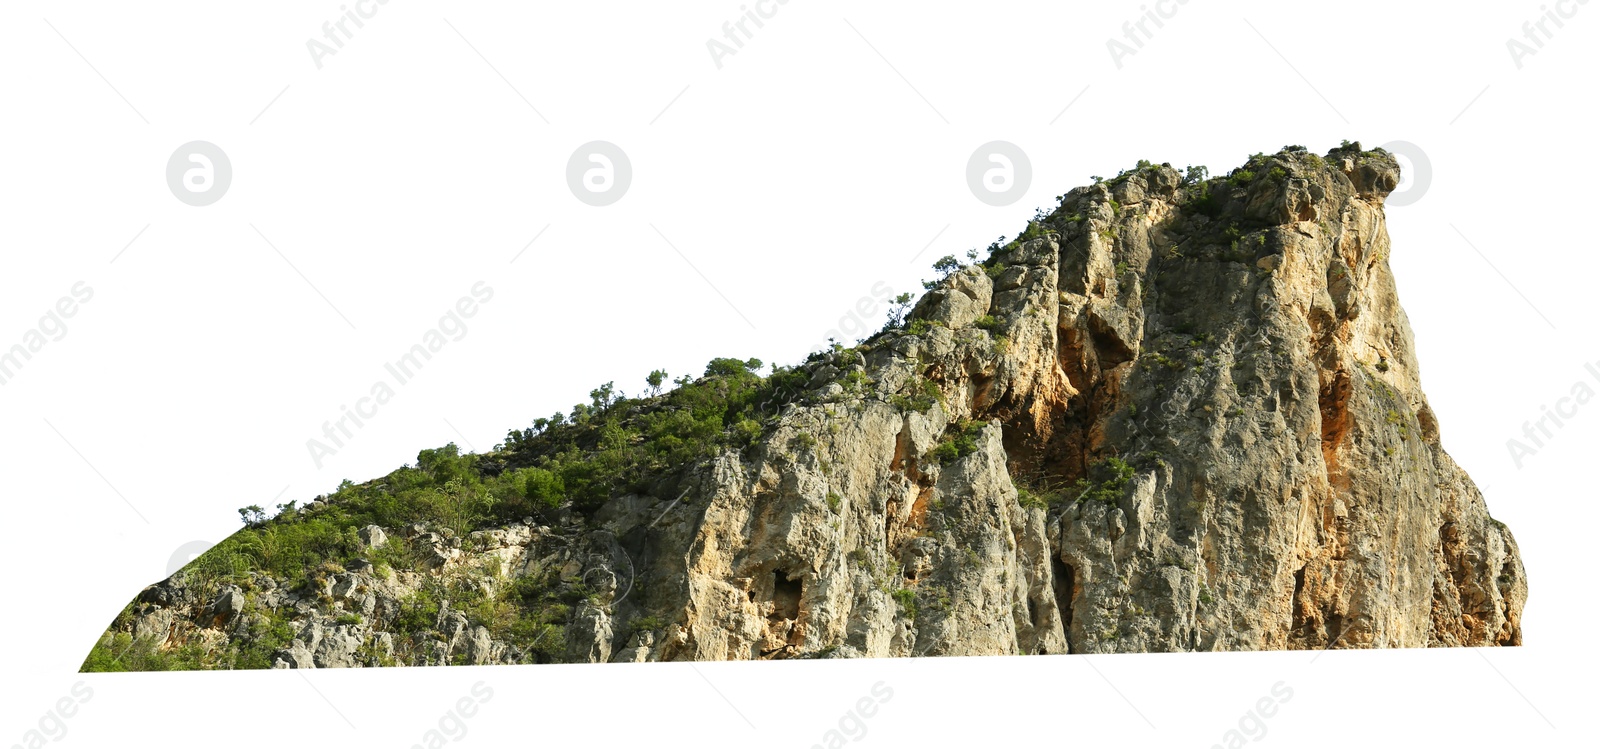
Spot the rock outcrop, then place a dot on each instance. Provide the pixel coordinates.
(1175, 414)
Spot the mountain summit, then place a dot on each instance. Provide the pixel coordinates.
(1176, 413)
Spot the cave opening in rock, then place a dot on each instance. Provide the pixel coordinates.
(785, 596)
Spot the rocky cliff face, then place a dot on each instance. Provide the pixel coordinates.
(1174, 414)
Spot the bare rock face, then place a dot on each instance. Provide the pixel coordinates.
(1175, 414)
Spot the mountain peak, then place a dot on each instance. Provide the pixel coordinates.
(1178, 412)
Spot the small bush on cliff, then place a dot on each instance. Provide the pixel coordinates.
(1036, 229)
(1113, 476)
(1027, 498)
(924, 393)
(907, 598)
(962, 443)
(419, 612)
(645, 624)
(1203, 201)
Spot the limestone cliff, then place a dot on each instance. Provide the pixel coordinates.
(1176, 413)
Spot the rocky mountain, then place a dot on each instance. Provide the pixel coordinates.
(1176, 413)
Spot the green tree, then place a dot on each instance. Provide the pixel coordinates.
(443, 464)
(724, 367)
(252, 515)
(900, 306)
(540, 486)
(602, 398)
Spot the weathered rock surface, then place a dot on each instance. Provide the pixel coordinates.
(1171, 416)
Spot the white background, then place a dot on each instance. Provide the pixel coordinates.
(817, 162)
